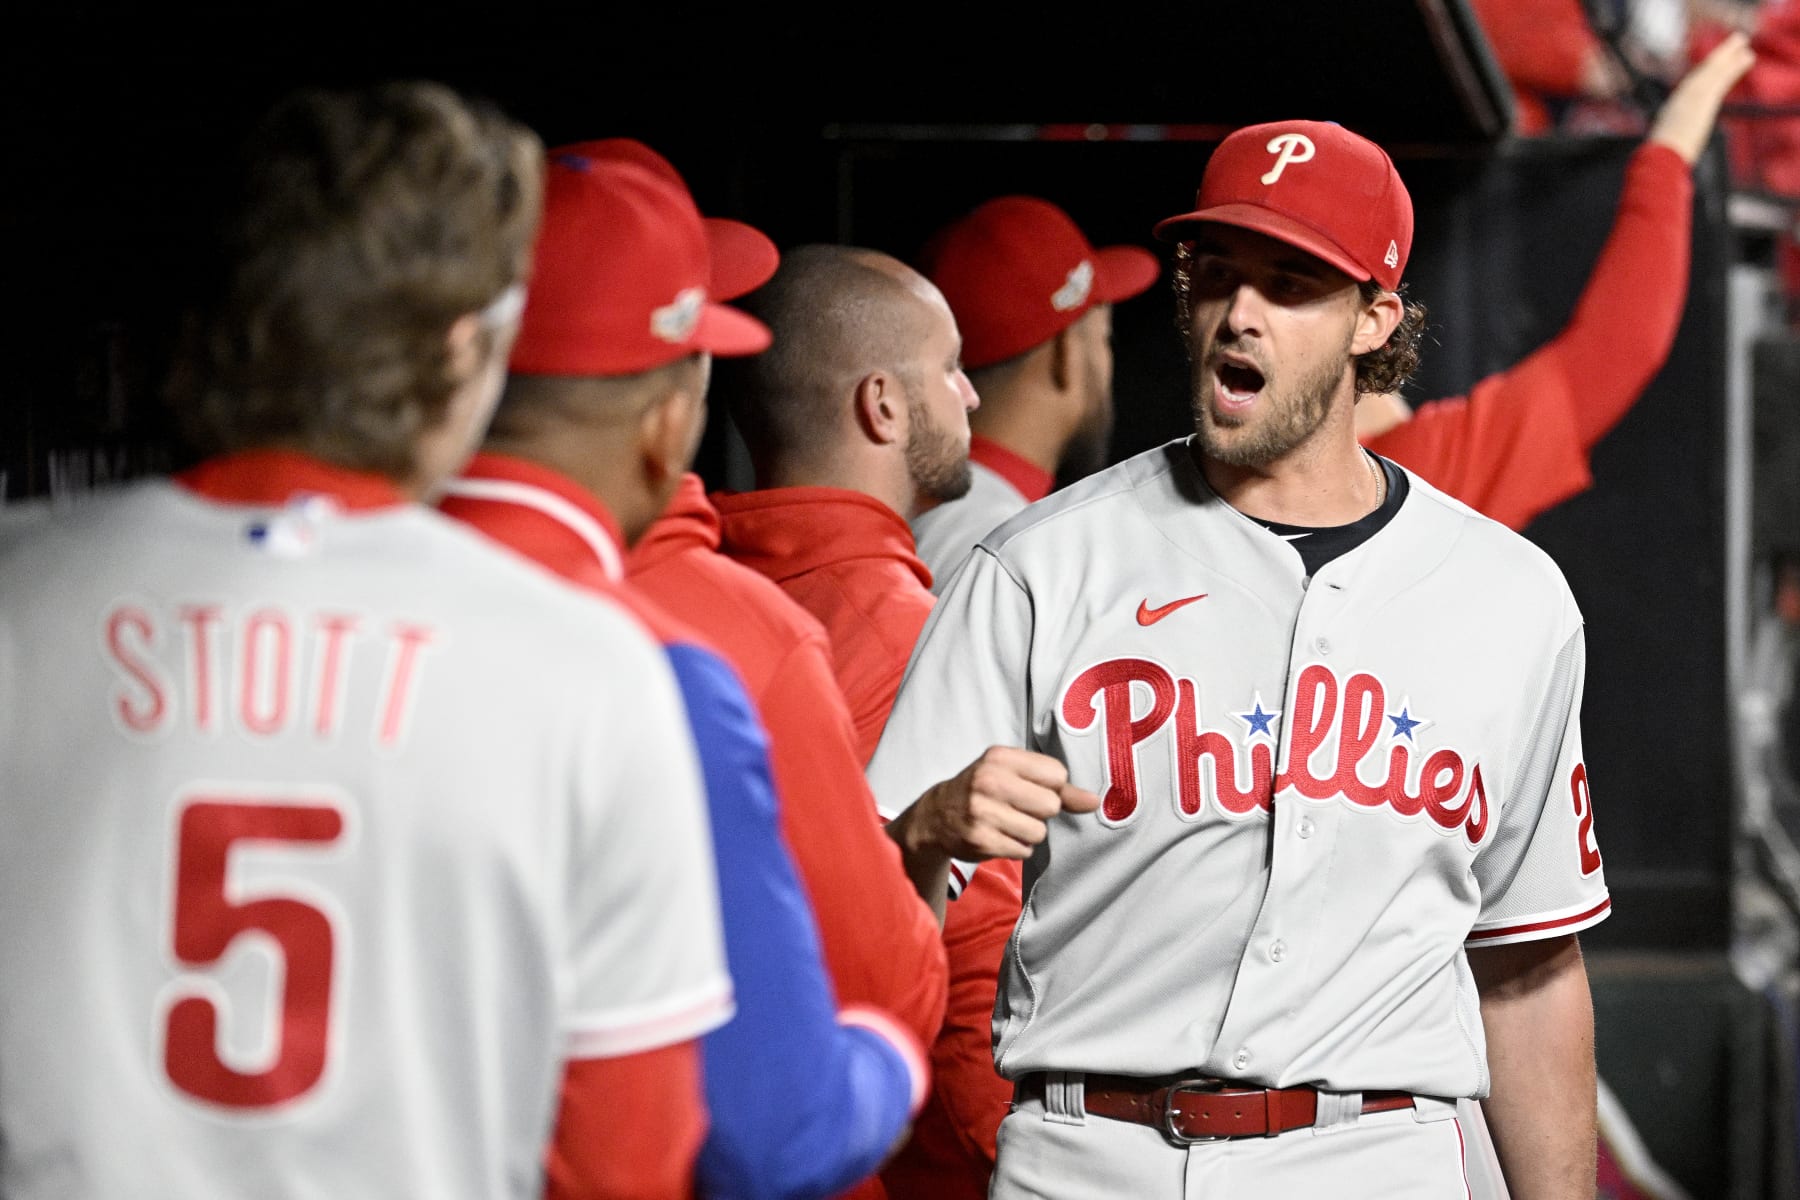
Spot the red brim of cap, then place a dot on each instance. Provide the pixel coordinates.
(743, 257)
(1123, 272)
(1260, 220)
(729, 333)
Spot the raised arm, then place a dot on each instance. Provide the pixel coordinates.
(1519, 442)
(1624, 324)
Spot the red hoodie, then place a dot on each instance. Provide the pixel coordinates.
(881, 941)
(849, 560)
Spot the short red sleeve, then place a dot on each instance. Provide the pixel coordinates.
(643, 1149)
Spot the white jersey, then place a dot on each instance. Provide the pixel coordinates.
(321, 851)
(945, 534)
(1314, 794)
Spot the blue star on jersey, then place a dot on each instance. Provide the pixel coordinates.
(1405, 722)
(1258, 720)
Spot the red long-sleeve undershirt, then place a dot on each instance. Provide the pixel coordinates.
(1518, 443)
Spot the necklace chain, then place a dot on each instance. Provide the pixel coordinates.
(1380, 479)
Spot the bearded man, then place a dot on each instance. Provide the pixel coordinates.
(1345, 839)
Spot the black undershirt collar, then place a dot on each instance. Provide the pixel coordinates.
(1317, 546)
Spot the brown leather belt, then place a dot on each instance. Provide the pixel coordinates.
(1198, 1109)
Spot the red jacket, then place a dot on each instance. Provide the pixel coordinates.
(1518, 443)
(848, 559)
(881, 941)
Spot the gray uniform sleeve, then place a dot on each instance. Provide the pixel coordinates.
(1541, 876)
(966, 688)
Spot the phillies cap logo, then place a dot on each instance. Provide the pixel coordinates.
(674, 322)
(1288, 148)
(1392, 257)
(1074, 293)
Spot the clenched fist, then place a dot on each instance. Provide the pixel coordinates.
(999, 806)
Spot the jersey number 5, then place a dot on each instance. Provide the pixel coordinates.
(207, 919)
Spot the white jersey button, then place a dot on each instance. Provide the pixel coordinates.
(1323, 646)
(1305, 827)
(1242, 1059)
(1278, 951)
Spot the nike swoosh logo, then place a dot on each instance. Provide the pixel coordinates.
(1150, 616)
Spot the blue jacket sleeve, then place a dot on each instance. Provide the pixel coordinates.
(800, 1103)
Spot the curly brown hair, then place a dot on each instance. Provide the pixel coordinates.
(1384, 369)
(368, 221)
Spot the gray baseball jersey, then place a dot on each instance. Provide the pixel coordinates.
(945, 534)
(1314, 793)
(322, 849)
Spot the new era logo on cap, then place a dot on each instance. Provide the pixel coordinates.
(674, 322)
(1314, 185)
(1017, 271)
(1075, 290)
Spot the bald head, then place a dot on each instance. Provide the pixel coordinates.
(838, 313)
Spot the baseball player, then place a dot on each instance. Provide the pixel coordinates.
(1033, 300)
(324, 849)
(855, 421)
(1518, 443)
(601, 414)
(1346, 837)
(880, 941)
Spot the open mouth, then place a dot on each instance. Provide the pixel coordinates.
(1238, 384)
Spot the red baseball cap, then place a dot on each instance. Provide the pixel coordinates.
(1017, 270)
(620, 277)
(1314, 185)
(743, 257)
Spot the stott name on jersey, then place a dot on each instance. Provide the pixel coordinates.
(260, 669)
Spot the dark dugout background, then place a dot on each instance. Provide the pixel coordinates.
(873, 128)
(122, 128)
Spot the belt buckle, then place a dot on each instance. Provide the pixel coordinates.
(1199, 1085)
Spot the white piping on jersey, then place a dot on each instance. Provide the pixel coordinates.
(553, 506)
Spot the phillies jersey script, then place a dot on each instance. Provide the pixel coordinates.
(1314, 792)
(323, 847)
